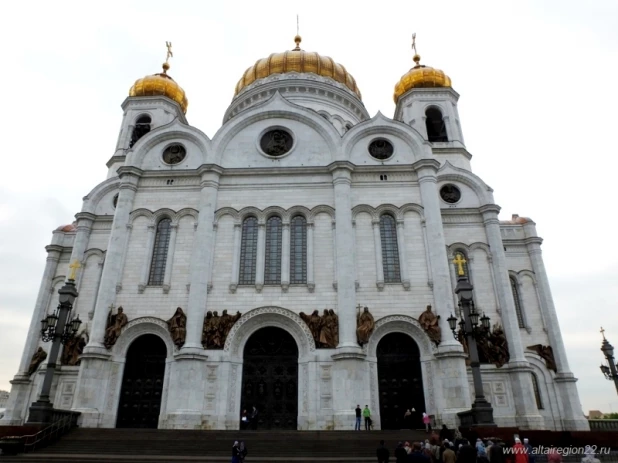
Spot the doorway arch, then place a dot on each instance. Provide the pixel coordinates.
(400, 381)
(270, 379)
(142, 383)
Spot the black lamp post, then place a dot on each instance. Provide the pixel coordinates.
(482, 413)
(57, 328)
(609, 371)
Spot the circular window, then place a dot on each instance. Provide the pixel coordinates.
(276, 142)
(381, 149)
(115, 201)
(174, 154)
(450, 194)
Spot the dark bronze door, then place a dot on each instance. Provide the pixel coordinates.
(270, 379)
(142, 383)
(400, 382)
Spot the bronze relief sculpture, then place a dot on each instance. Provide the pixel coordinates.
(364, 326)
(216, 328)
(115, 323)
(324, 329)
(492, 346)
(39, 356)
(178, 327)
(73, 349)
(547, 353)
(430, 323)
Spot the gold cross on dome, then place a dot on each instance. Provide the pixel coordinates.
(603, 333)
(459, 261)
(414, 42)
(74, 266)
(169, 51)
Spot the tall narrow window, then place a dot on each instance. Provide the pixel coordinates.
(436, 128)
(298, 250)
(142, 127)
(272, 262)
(248, 251)
(460, 259)
(517, 300)
(159, 252)
(537, 392)
(390, 250)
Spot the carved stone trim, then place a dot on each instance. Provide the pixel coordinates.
(428, 381)
(311, 287)
(138, 327)
(269, 316)
(233, 288)
(400, 324)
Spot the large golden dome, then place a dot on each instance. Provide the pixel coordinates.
(420, 77)
(160, 85)
(297, 60)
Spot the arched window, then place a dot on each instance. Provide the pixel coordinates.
(272, 263)
(298, 250)
(517, 300)
(460, 256)
(159, 252)
(248, 251)
(390, 250)
(537, 392)
(142, 127)
(436, 129)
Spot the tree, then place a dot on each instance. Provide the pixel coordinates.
(610, 416)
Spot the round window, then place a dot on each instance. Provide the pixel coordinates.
(381, 149)
(174, 154)
(276, 142)
(450, 194)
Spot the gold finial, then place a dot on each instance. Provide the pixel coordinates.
(298, 38)
(459, 261)
(169, 55)
(74, 266)
(603, 333)
(417, 57)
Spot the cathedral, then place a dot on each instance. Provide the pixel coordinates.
(299, 263)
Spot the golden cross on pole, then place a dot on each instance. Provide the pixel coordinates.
(169, 51)
(459, 261)
(297, 26)
(74, 266)
(603, 333)
(414, 42)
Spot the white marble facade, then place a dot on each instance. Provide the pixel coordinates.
(330, 179)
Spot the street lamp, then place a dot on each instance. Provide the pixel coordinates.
(482, 413)
(609, 371)
(57, 328)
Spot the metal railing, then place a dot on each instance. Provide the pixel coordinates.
(62, 422)
(603, 425)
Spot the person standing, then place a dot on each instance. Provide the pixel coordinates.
(529, 451)
(520, 452)
(448, 456)
(242, 451)
(426, 422)
(254, 418)
(358, 411)
(382, 453)
(367, 416)
(235, 453)
(400, 453)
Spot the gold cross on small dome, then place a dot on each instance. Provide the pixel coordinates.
(459, 261)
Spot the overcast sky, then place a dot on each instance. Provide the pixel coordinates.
(537, 81)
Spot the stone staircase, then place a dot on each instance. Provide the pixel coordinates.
(130, 445)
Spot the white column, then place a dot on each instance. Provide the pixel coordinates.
(150, 237)
(285, 257)
(124, 257)
(571, 411)
(403, 258)
(169, 261)
(203, 247)
(84, 227)
(310, 258)
(377, 244)
(129, 177)
(436, 247)
(236, 258)
(346, 289)
(334, 235)
(260, 258)
(528, 416)
(40, 308)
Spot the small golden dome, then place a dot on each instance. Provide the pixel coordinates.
(160, 84)
(420, 77)
(297, 60)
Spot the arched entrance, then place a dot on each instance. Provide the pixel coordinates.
(400, 381)
(270, 378)
(142, 383)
